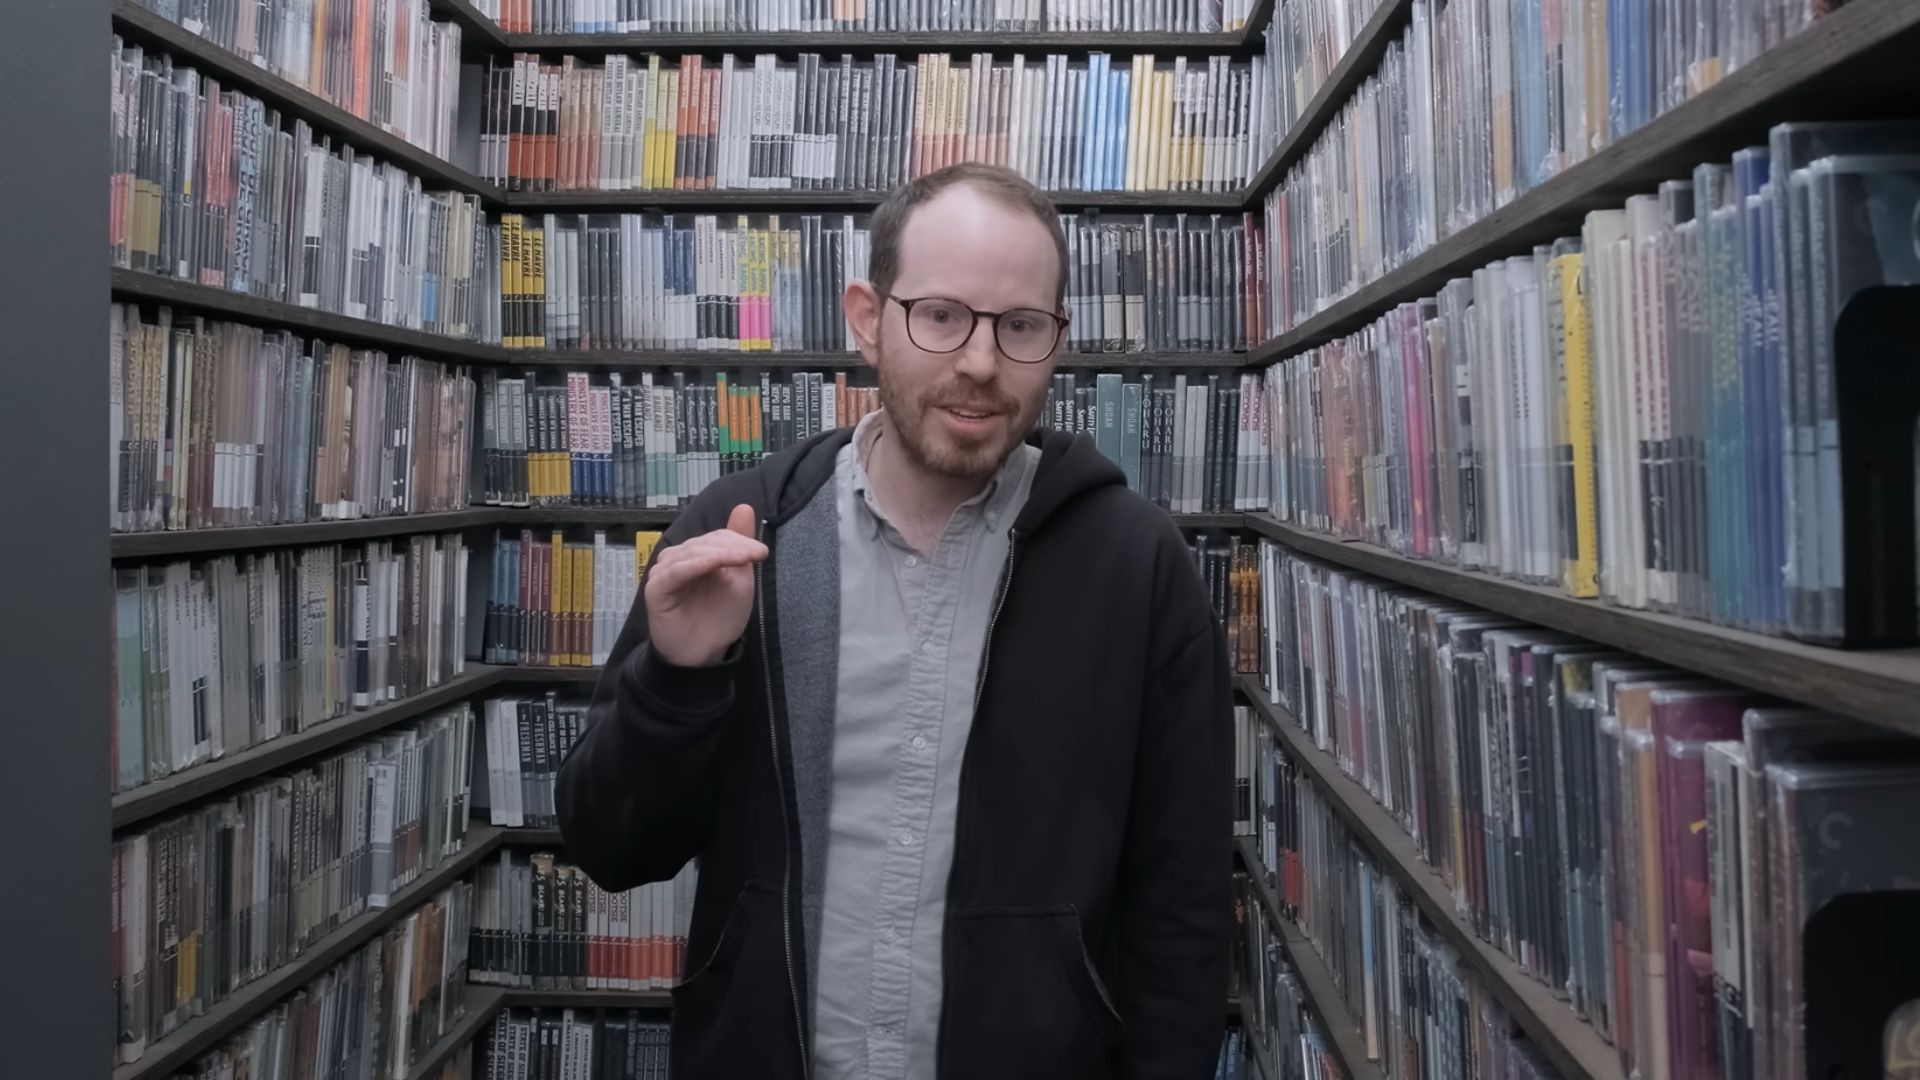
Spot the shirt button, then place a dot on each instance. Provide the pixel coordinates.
(912, 561)
(906, 838)
(919, 742)
(888, 935)
(926, 646)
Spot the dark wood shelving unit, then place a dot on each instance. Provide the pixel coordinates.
(483, 1003)
(1853, 63)
(144, 545)
(196, 542)
(750, 201)
(1359, 61)
(744, 360)
(531, 837)
(589, 999)
(480, 36)
(1315, 980)
(1570, 1044)
(165, 1057)
(1881, 685)
(185, 295)
(866, 43)
(137, 24)
(151, 800)
(512, 675)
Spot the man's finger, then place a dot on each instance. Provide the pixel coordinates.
(670, 577)
(741, 521)
(719, 540)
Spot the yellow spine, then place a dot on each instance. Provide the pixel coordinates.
(1580, 573)
(560, 633)
(536, 262)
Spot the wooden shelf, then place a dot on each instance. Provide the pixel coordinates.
(750, 201)
(1360, 60)
(589, 999)
(1571, 1045)
(480, 36)
(866, 43)
(531, 837)
(1881, 686)
(514, 675)
(1315, 980)
(203, 1033)
(1854, 63)
(731, 360)
(137, 24)
(149, 801)
(152, 288)
(483, 1004)
(145, 545)
(1247, 40)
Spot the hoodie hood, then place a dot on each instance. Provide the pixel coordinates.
(1070, 467)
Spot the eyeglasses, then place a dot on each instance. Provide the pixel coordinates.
(939, 325)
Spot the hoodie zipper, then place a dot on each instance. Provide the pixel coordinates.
(960, 818)
(786, 823)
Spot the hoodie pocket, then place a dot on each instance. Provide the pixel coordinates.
(731, 1015)
(1024, 999)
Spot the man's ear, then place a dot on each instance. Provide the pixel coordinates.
(864, 310)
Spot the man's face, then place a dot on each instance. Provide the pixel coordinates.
(959, 414)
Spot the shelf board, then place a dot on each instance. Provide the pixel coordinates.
(1570, 1044)
(1315, 979)
(152, 288)
(1853, 63)
(137, 24)
(203, 1033)
(1360, 60)
(844, 201)
(588, 999)
(1262, 1055)
(513, 675)
(483, 1004)
(480, 36)
(866, 43)
(737, 360)
(149, 801)
(531, 837)
(1881, 686)
(143, 545)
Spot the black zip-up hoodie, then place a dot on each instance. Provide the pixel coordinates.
(1088, 907)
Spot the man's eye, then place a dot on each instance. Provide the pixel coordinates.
(1020, 325)
(940, 315)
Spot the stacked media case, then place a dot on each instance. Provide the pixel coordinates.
(1653, 411)
(610, 283)
(1402, 127)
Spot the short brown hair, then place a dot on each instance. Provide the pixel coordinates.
(999, 183)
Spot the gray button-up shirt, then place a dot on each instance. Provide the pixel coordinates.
(912, 629)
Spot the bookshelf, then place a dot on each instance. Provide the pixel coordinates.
(1853, 63)
(138, 25)
(754, 201)
(1878, 685)
(1573, 1047)
(1317, 982)
(483, 1003)
(202, 1033)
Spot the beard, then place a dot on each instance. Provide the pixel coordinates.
(935, 447)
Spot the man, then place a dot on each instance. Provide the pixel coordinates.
(940, 707)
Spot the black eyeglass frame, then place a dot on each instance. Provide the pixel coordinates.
(1060, 323)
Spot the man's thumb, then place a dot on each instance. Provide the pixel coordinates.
(741, 520)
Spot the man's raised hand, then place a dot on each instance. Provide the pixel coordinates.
(700, 592)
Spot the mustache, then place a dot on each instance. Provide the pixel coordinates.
(969, 401)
